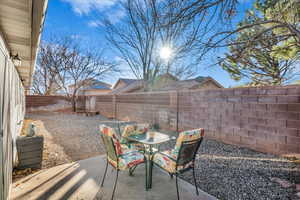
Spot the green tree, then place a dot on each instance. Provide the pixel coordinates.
(259, 57)
(283, 19)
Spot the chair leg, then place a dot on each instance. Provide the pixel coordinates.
(177, 187)
(197, 192)
(104, 174)
(112, 197)
(131, 170)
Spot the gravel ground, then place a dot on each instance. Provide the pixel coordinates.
(67, 137)
(231, 172)
(224, 171)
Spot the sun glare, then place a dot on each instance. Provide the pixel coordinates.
(165, 53)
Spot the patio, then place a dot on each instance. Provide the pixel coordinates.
(81, 180)
(222, 170)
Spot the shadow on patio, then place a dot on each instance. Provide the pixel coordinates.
(81, 180)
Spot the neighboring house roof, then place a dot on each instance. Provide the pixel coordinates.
(126, 81)
(133, 86)
(93, 84)
(167, 76)
(194, 83)
(174, 84)
(97, 87)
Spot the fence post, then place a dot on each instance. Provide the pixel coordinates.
(174, 106)
(114, 101)
(177, 111)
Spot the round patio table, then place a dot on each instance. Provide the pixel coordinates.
(149, 139)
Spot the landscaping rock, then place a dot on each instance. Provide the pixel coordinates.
(231, 172)
(283, 183)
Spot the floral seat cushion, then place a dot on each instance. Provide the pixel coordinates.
(127, 157)
(167, 159)
(128, 160)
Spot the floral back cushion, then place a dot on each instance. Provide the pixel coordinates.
(134, 130)
(184, 137)
(110, 132)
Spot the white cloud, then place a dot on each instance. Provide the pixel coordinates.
(94, 23)
(86, 6)
(114, 16)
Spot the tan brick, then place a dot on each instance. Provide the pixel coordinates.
(293, 91)
(280, 123)
(267, 99)
(249, 99)
(287, 148)
(277, 91)
(294, 107)
(248, 140)
(293, 124)
(293, 140)
(288, 99)
(277, 107)
(287, 115)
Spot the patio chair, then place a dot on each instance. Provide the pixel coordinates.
(134, 130)
(182, 157)
(118, 157)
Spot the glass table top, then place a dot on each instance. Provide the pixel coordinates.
(150, 138)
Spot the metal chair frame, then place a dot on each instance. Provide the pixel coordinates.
(179, 162)
(114, 154)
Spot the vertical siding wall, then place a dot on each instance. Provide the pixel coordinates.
(265, 119)
(12, 110)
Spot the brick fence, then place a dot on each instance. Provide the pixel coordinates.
(51, 103)
(265, 119)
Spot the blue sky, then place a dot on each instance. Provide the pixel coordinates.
(76, 18)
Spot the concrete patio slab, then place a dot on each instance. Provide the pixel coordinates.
(81, 180)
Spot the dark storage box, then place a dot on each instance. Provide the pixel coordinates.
(30, 152)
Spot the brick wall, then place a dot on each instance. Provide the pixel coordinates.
(51, 103)
(265, 119)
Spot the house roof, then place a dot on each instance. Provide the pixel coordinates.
(189, 83)
(92, 83)
(167, 76)
(127, 81)
(97, 85)
(137, 84)
(134, 85)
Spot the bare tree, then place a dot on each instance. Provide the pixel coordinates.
(64, 62)
(211, 16)
(49, 64)
(142, 33)
(134, 39)
(80, 66)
